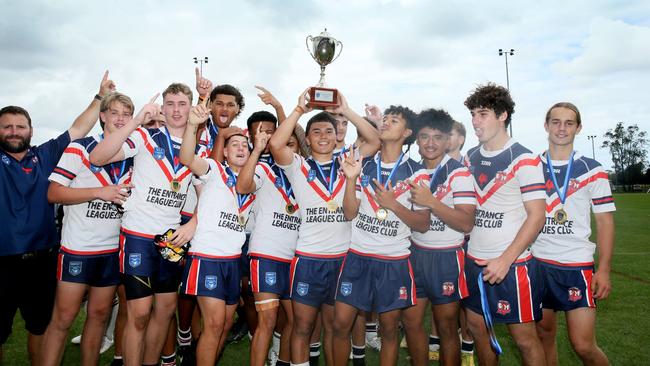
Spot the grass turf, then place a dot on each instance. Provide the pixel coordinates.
(622, 325)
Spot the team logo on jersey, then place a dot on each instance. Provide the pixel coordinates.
(230, 182)
(403, 294)
(270, 278)
(158, 153)
(574, 294)
(346, 288)
(501, 176)
(278, 182)
(311, 175)
(135, 259)
(574, 184)
(302, 288)
(74, 268)
(365, 180)
(503, 307)
(448, 288)
(482, 179)
(440, 189)
(35, 159)
(95, 168)
(5, 159)
(210, 282)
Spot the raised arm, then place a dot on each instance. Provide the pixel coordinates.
(601, 285)
(351, 169)
(364, 129)
(109, 150)
(197, 165)
(203, 86)
(245, 181)
(87, 119)
(269, 99)
(278, 144)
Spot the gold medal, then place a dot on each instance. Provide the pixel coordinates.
(560, 216)
(382, 214)
(290, 208)
(241, 219)
(175, 185)
(332, 206)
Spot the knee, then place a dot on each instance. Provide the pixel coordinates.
(98, 312)
(388, 331)
(302, 328)
(138, 319)
(341, 327)
(411, 324)
(448, 328)
(266, 319)
(584, 348)
(214, 325)
(63, 319)
(526, 344)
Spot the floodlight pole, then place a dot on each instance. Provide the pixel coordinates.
(201, 61)
(505, 53)
(593, 150)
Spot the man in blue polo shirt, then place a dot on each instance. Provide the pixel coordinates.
(27, 251)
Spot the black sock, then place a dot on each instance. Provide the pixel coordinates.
(371, 327)
(282, 363)
(467, 346)
(314, 353)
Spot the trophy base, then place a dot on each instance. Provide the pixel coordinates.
(321, 98)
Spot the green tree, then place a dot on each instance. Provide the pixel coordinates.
(629, 147)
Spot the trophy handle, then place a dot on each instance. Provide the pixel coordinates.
(340, 44)
(307, 40)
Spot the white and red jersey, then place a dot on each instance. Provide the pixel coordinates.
(91, 227)
(503, 181)
(387, 238)
(219, 233)
(588, 191)
(207, 139)
(275, 232)
(154, 207)
(322, 232)
(451, 184)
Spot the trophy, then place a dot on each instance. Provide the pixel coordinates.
(323, 51)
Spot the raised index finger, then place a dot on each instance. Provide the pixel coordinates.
(261, 88)
(105, 76)
(197, 73)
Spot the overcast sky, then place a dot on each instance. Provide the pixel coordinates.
(421, 54)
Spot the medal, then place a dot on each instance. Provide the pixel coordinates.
(175, 185)
(382, 214)
(332, 206)
(241, 219)
(560, 216)
(290, 208)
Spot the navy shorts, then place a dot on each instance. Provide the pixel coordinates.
(566, 287)
(439, 274)
(269, 275)
(209, 277)
(313, 280)
(517, 299)
(376, 284)
(245, 260)
(98, 270)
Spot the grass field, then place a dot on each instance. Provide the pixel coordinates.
(622, 329)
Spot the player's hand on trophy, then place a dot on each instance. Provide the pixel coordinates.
(203, 85)
(342, 106)
(350, 164)
(106, 86)
(266, 97)
(199, 114)
(303, 101)
(148, 111)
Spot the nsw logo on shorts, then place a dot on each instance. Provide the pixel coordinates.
(135, 259)
(158, 153)
(270, 278)
(302, 288)
(346, 288)
(210, 282)
(74, 268)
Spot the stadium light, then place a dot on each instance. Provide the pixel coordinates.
(593, 150)
(201, 61)
(506, 53)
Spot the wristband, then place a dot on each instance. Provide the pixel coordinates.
(98, 97)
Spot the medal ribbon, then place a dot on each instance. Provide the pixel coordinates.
(433, 177)
(284, 192)
(160, 163)
(171, 150)
(487, 316)
(372, 202)
(243, 200)
(561, 193)
(317, 189)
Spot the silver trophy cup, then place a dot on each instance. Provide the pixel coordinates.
(323, 49)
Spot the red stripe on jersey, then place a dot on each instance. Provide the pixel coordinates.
(193, 277)
(414, 299)
(532, 187)
(556, 263)
(571, 191)
(121, 260)
(130, 143)
(266, 256)
(603, 200)
(527, 258)
(524, 295)
(255, 275)
(234, 256)
(65, 173)
(59, 267)
(463, 291)
(340, 180)
(460, 173)
(160, 162)
(498, 184)
(378, 256)
(272, 178)
(587, 276)
(323, 256)
(292, 273)
(84, 160)
(135, 233)
(91, 252)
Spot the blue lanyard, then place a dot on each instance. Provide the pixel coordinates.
(561, 192)
(392, 172)
(433, 176)
(115, 179)
(487, 316)
(241, 198)
(171, 149)
(330, 184)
